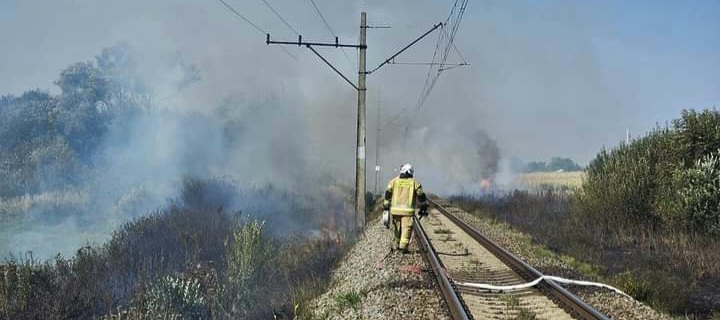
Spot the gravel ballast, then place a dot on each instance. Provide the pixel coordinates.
(612, 304)
(373, 283)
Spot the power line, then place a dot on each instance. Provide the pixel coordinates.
(327, 25)
(280, 17)
(429, 73)
(453, 20)
(429, 63)
(388, 60)
(263, 32)
(426, 84)
(459, 54)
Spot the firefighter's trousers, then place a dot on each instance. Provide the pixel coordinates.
(402, 225)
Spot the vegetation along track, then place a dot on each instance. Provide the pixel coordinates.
(457, 254)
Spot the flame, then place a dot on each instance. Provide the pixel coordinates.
(486, 184)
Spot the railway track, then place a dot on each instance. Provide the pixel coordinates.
(458, 254)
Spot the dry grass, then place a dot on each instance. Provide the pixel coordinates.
(671, 270)
(189, 260)
(21, 204)
(538, 180)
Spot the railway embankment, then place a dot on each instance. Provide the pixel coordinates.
(612, 304)
(374, 283)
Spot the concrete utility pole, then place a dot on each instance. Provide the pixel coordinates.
(360, 183)
(361, 132)
(377, 146)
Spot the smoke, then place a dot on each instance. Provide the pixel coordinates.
(157, 139)
(446, 158)
(217, 102)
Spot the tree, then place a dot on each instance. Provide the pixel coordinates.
(564, 164)
(536, 166)
(83, 120)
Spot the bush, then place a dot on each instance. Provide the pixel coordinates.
(699, 194)
(248, 254)
(189, 261)
(666, 179)
(177, 295)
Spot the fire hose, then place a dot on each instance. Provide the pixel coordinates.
(535, 282)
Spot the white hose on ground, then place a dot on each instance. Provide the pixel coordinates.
(536, 281)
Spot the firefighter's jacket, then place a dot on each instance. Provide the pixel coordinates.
(401, 195)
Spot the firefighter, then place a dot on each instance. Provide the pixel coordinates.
(401, 196)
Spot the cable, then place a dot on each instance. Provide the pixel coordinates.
(263, 32)
(327, 25)
(459, 54)
(426, 86)
(426, 63)
(280, 17)
(453, 20)
(533, 283)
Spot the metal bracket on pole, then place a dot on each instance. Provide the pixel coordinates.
(310, 46)
(301, 43)
(440, 24)
(332, 67)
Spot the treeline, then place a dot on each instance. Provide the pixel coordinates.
(555, 164)
(668, 179)
(192, 260)
(48, 141)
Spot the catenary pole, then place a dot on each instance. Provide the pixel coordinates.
(361, 132)
(377, 145)
(361, 88)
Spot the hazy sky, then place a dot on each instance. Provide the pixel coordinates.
(547, 77)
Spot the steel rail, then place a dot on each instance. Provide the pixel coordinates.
(576, 307)
(452, 299)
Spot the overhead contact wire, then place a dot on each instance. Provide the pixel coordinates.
(327, 25)
(255, 26)
(277, 14)
(238, 14)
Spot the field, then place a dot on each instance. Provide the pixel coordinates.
(539, 180)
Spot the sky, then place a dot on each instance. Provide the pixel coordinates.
(546, 78)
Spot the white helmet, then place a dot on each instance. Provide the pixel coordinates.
(406, 169)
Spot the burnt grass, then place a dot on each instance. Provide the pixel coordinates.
(191, 260)
(671, 270)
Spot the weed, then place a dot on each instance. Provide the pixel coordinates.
(526, 314)
(633, 285)
(348, 299)
(475, 262)
(443, 231)
(189, 260)
(511, 301)
(715, 315)
(446, 238)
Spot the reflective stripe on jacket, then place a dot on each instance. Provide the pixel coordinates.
(400, 196)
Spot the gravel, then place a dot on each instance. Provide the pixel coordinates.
(373, 283)
(388, 285)
(612, 304)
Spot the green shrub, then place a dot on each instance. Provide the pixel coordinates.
(248, 255)
(177, 295)
(635, 286)
(666, 179)
(348, 299)
(699, 195)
